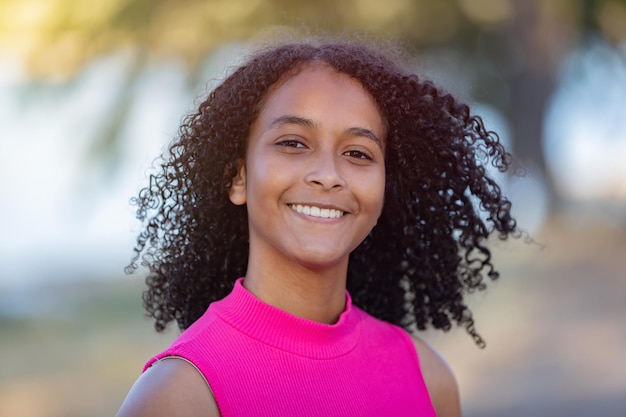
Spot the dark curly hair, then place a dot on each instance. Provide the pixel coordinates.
(429, 246)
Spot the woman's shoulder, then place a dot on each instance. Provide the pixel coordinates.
(171, 386)
(439, 379)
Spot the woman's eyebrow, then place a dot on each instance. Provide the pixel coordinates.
(366, 133)
(301, 121)
(292, 120)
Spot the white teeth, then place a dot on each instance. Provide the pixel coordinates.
(317, 212)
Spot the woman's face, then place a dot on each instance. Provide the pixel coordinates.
(314, 175)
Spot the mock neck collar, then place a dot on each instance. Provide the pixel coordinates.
(277, 328)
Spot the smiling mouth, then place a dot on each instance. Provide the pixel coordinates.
(315, 211)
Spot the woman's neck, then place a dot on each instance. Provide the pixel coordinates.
(313, 294)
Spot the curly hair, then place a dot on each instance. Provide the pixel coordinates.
(429, 247)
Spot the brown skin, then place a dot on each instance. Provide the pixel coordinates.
(170, 387)
(317, 142)
(440, 380)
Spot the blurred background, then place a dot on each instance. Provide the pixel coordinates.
(91, 92)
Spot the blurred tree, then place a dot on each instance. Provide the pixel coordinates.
(541, 35)
(511, 49)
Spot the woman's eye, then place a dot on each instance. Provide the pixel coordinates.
(291, 143)
(358, 155)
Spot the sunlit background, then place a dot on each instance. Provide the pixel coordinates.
(91, 92)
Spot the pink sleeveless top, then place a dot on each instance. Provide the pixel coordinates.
(261, 361)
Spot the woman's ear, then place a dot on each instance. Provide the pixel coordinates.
(237, 190)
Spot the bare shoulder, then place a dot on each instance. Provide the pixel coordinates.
(170, 387)
(440, 380)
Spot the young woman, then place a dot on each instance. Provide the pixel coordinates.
(321, 202)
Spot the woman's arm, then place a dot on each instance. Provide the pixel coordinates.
(440, 380)
(171, 387)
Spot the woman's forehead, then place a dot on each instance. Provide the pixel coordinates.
(302, 84)
(320, 93)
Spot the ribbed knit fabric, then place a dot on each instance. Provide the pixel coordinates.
(261, 361)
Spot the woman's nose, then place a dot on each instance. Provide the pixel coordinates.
(324, 172)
